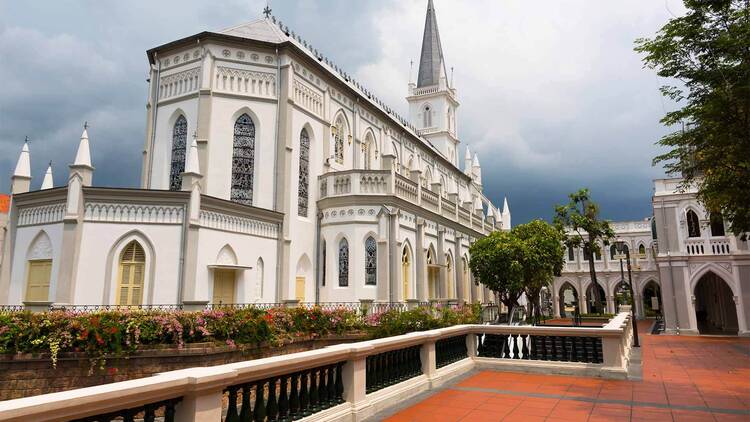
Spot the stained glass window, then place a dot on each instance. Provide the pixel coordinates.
(304, 173)
(338, 141)
(371, 261)
(179, 142)
(243, 160)
(343, 263)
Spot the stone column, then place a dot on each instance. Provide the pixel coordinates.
(395, 287)
(419, 261)
(555, 302)
(283, 181)
(461, 294)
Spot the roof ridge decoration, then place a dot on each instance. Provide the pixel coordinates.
(431, 63)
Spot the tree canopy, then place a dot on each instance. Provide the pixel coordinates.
(708, 51)
(497, 262)
(582, 228)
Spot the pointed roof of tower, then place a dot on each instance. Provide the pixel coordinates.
(23, 167)
(48, 183)
(475, 163)
(506, 210)
(83, 156)
(431, 63)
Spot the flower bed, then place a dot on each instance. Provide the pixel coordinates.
(122, 332)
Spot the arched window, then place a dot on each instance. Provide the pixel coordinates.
(571, 254)
(243, 160)
(717, 224)
(427, 116)
(397, 160)
(132, 274)
(427, 180)
(694, 229)
(259, 272)
(598, 254)
(304, 173)
(409, 165)
(324, 263)
(641, 251)
(371, 261)
(406, 271)
(343, 263)
(443, 187)
(339, 132)
(613, 252)
(179, 143)
(39, 260)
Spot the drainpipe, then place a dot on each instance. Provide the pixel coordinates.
(155, 101)
(390, 253)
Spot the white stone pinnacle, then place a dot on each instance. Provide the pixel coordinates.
(83, 156)
(48, 183)
(23, 167)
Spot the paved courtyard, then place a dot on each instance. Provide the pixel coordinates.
(684, 379)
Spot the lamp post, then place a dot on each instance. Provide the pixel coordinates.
(620, 245)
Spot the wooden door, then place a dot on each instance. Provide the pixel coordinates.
(37, 285)
(223, 287)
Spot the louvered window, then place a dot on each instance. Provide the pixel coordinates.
(132, 274)
(243, 160)
(179, 143)
(304, 174)
(343, 263)
(371, 261)
(37, 284)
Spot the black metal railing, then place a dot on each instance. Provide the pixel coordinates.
(540, 347)
(259, 305)
(163, 410)
(99, 308)
(286, 397)
(450, 350)
(389, 368)
(11, 308)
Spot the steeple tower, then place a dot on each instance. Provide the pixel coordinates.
(431, 63)
(432, 100)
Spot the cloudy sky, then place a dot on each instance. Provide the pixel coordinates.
(552, 95)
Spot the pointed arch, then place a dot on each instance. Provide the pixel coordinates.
(397, 158)
(406, 264)
(427, 111)
(131, 275)
(39, 268)
(260, 275)
(371, 261)
(427, 180)
(303, 179)
(226, 256)
(243, 160)
(369, 150)
(717, 224)
(113, 273)
(303, 274)
(568, 299)
(179, 148)
(693, 223)
(341, 134)
(450, 275)
(343, 259)
(641, 250)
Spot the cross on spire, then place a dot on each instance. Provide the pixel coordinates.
(26, 139)
(86, 124)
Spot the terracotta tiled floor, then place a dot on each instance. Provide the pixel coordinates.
(684, 379)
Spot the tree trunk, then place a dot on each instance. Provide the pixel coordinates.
(592, 272)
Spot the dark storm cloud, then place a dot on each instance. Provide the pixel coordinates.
(552, 96)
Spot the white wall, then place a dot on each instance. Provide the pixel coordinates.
(25, 236)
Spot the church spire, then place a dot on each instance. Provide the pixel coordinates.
(431, 63)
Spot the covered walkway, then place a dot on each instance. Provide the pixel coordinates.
(684, 379)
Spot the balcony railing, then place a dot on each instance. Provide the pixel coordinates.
(387, 183)
(700, 246)
(341, 382)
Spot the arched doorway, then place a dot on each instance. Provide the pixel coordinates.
(622, 295)
(715, 311)
(652, 305)
(596, 299)
(406, 271)
(568, 300)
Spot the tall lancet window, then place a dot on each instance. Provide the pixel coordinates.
(338, 140)
(243, 160)
(179, 142)
(304, 173)
(343, 263)
(371, 261)
(427, 116)
(694, 228)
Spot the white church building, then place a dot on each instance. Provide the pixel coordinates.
(269, 175)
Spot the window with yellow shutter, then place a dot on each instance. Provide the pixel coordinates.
(37, 284)
(132, 274)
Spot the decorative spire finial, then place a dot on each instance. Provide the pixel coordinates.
(267, 11)
(26, 140)
(85, 124)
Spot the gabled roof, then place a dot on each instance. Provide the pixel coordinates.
(261, 30)
(431, 63)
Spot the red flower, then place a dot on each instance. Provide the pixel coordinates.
(112, 371)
